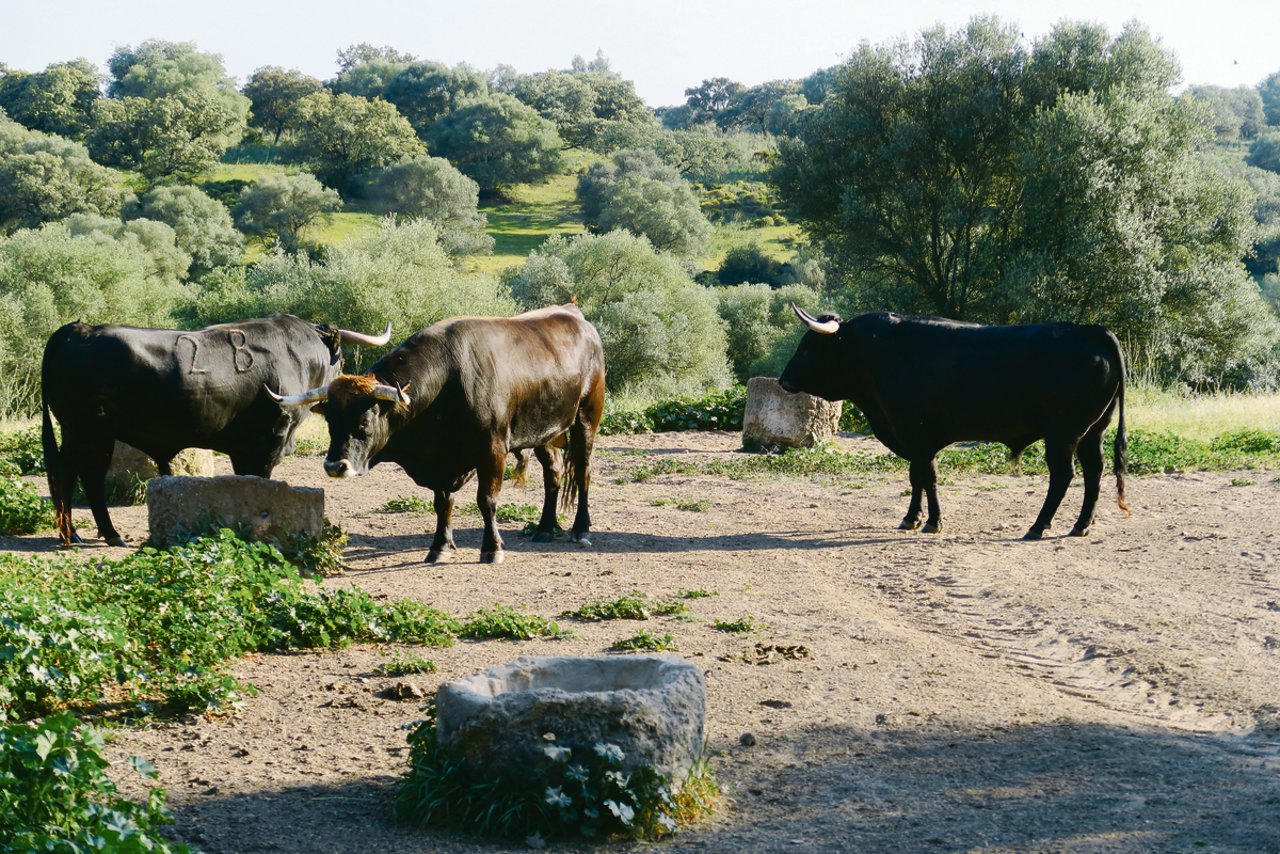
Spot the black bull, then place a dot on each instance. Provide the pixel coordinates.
(457, 397)
(163, 390)
(924, 383)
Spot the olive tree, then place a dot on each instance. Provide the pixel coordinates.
(431, 188)
(279, 208)
(44, 177)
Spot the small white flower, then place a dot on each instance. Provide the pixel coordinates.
(558, 798)
(610, 752)
(667, 821)
(535, 840)
(623, 811)
(557, 754)
(618, 779)
(576, 774)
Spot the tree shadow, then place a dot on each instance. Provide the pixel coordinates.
(1053, 787)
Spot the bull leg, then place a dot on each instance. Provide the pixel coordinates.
(252, 465)
(929, 475)
(442, 545)
(912, 520)
(1057, 455)
(548, 525)
(1089, 452)
(488, 486)
(582, 438)
(93, 460)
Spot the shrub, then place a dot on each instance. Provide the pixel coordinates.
(504, 621)
(660, 330)
(24, 450)
(762, 329)
(431, 188)
(22, 509)
(278, 208)
(56, 795)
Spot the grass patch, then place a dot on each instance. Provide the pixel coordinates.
(693, 505)
(507, 623)
(646, 641)
(740, 626)
(405, 665)
(633, 606)
(406, 504)
(699, 593)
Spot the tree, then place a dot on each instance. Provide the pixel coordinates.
(965, 177)
(750, 263)
(347, 137)
(279, 208)
(274, 94)
(1264, 153)
(157, 69)
(425, 91)
(57, 100)
(152, 241)
(202, 226)
(1269, 91)
(712, 96)
(1236, 113)
(497, 141)
(636, 191)
(762, 329)
(660, 330)
(45, 177)
(431, 188)
(176, 136)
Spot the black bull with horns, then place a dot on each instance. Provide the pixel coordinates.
(924, 383)
(455, 398)
(163, 390)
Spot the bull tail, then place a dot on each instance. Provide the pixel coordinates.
(1120, 456)
(569, 474)
(521, 472)
(56, 473)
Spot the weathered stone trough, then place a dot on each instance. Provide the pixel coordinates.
(267, 510)
(652, 707)
(775, 418)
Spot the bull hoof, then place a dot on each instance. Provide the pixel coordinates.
(1033, 534)
(117, 540)
(438, 556)
(581, 539)
(547, 536)
(931, 528)
(909, 524)
(491, 557)
(1077, 531)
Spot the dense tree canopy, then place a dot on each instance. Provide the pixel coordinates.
(44, 177)
(57, 100)
(964, 176)
(497, 141)
(274, 94)
(346, 137)
(172, 136)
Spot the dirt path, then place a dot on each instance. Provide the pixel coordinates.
(965, 691)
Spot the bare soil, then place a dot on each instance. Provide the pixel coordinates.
(962, 691)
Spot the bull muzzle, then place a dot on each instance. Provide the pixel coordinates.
(339, 468)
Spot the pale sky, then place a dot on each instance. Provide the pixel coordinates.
(665, 46)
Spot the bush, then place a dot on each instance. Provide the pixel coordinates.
(750, 263)
(430, 188)
(278, 208)
(201, 223)
(22, 509)
(24, 450)
(637, 192)
(660, 330)
(401, 274)
(762, 329)
(56, 795)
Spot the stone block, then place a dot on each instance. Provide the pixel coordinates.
(652, 707)
(130, 467)
(775, 418)
(267, 510)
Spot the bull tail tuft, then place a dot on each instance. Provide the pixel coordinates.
(568, 475)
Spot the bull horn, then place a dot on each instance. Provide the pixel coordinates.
(363, 340)
(393, 393)
(822, 327)
(319, 394)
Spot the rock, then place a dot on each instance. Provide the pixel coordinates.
(652, 707)
(267, 510)
(775, 418)
(130, 467)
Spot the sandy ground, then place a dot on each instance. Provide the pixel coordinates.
(964, 691)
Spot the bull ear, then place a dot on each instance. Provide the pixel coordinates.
(822, 327)
(318, 409)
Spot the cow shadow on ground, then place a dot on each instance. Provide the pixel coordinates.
(1049, 787)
